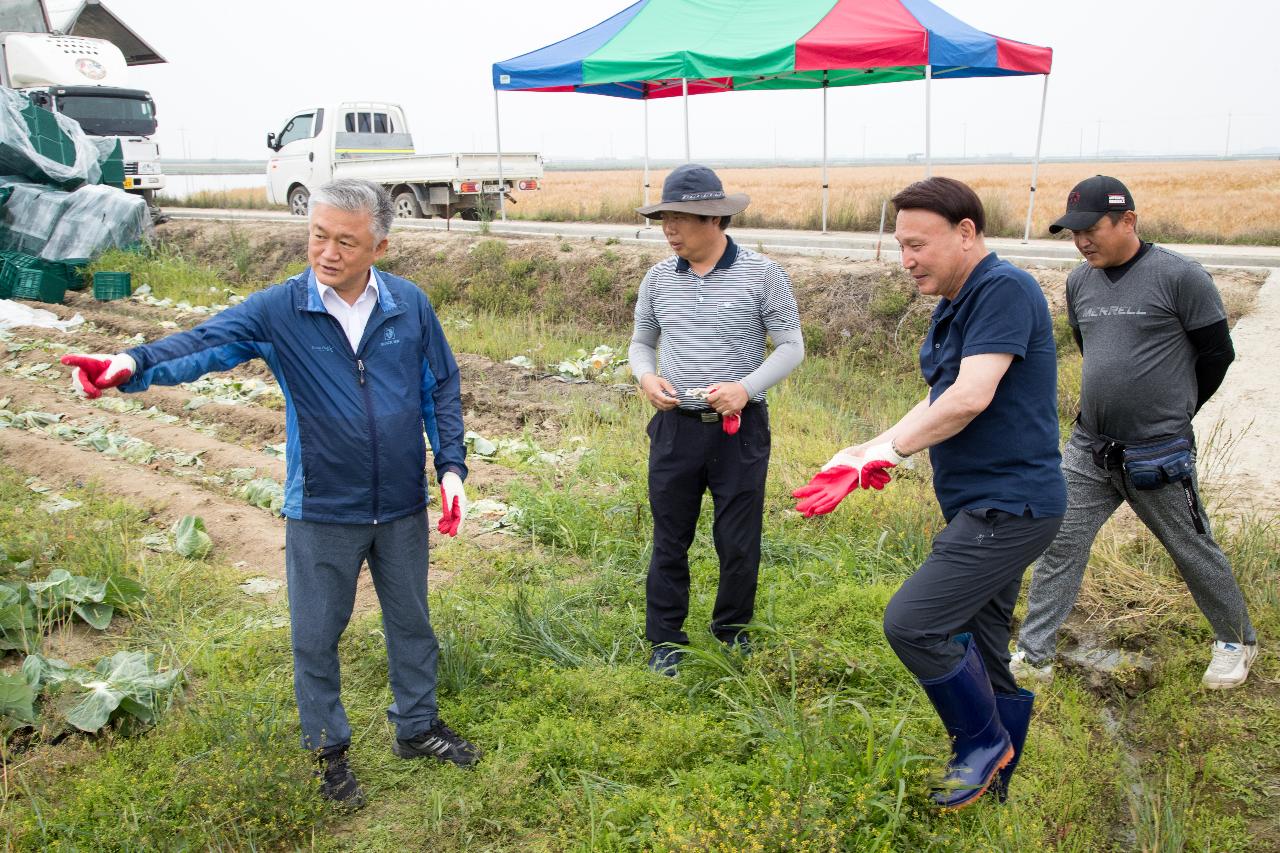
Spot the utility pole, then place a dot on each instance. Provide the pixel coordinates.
(1226, 149)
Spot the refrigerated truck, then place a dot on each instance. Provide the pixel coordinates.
(81, 78)
(371, 140)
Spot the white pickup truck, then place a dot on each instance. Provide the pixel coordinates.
(372, 141)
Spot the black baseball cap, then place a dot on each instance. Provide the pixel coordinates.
(1092, 199)
(695, 189)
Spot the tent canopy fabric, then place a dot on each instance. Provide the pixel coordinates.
(650, 48)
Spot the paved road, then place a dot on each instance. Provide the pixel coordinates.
(854, 245)
(1237, 428)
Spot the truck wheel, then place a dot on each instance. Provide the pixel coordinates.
(470, 214)
(299, 198)
(407, 206)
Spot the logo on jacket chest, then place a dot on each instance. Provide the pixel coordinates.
(389, 337)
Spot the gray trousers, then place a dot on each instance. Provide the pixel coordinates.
(968, 585)
(1093, 495)
(322, 562)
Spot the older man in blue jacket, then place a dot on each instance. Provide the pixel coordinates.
(365, 370)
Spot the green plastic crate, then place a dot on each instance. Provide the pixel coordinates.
(41, 285)
(11, 265)
(77, 278)
(112, 285)
(113, 168)
(47, 138)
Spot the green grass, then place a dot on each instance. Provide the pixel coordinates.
(818, 741)
(170, 275)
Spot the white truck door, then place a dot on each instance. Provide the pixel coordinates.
(297, 165)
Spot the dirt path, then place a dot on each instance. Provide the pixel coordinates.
(240, 533)
(1237, 429)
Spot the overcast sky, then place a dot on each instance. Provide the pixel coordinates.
(1132, 75)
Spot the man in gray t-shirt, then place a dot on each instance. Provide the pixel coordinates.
(1156, 344)
(1140, 381)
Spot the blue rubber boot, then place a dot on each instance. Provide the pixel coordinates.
(979, 744)
(1015, 714)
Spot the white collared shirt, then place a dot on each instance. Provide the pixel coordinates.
(353, 318)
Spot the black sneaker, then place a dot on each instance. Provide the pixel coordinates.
(440, 742)
(665, 660)
(337, 783)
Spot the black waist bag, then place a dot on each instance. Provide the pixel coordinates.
(1156, 465)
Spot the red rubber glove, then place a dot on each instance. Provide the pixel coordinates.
(825, 491)
(92, 374)
(879, 459)
(875, 474)
(729, 423)
(872, 468)
(453, 503)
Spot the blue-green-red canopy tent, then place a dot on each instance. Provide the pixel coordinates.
(663, 48)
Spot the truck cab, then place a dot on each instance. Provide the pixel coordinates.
(307, 147)
(371, 140)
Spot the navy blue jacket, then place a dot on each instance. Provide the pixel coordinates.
(354, 421)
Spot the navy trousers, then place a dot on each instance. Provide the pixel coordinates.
(967, 585)
(687, 457)
(322, 562)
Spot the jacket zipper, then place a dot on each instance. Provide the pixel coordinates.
(368, 398)
(368, 410)
(373, 432)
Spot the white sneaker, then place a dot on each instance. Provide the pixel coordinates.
(1025, 670)
(1230, 665)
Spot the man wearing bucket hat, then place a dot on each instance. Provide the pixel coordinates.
(699, 353)
(1156, 345)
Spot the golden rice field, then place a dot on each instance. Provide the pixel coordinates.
(1233, 201)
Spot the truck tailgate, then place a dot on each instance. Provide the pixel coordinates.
(439, 168)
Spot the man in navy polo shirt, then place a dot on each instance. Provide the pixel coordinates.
(990, 423)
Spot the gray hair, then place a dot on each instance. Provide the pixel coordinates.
(353, 194)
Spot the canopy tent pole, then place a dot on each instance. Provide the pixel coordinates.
(824, 152)
(684, 86)
(928, 151)
(647, 222)
(645, 101)
(1035, 162)
(497, 130)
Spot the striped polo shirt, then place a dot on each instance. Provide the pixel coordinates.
(712, 328)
